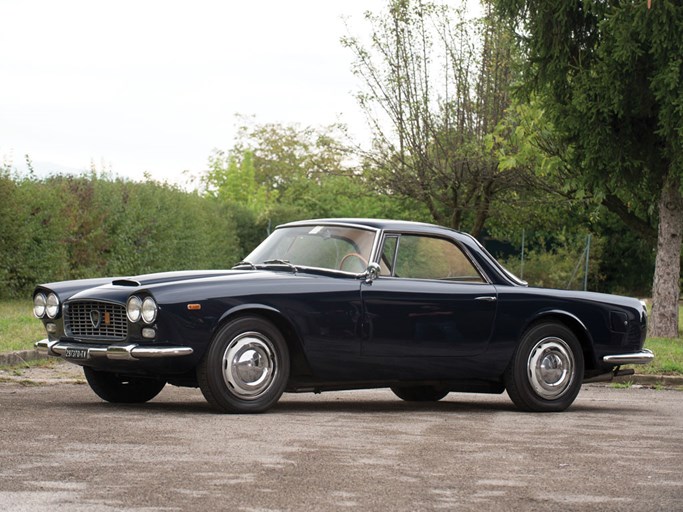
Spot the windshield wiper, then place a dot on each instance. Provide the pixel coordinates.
(245, 263)
(281, 262)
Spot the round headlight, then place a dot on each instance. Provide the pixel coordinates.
(39, 302)
(149, 310)
(52, 306)
(134, 309)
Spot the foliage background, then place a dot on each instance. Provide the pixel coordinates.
(71, 227)
(62, 228)
(461, 151)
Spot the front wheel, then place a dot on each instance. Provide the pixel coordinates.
(246, 367)
(122, 390)
(546, 370)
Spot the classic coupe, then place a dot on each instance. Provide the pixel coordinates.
(341, 304)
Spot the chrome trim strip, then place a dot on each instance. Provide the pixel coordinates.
(45, 346)
(120, 352)
(132, 352)
(643, 357)
(139, 352)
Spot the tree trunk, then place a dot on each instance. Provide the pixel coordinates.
(666, 287)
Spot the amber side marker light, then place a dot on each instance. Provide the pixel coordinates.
(194, 307)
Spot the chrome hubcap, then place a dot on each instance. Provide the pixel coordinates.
(551, 367)
(249, 365)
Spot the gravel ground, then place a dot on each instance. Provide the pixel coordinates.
(63, 449)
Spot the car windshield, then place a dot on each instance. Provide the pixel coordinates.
(320, 246)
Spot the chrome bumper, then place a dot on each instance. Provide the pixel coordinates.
(130, 352)
(643, 357)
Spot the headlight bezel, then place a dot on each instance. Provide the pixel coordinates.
(134, 309)
(37, 311)
(52, 306)
(149, 305)
(142, 309)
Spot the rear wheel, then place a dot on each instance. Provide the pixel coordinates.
(546, 371)
(122, 390)
(420, 393)
(246, 367)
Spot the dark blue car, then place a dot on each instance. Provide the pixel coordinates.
(342, 304)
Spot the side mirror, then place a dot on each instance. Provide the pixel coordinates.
(372, 272)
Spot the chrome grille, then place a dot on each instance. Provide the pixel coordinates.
(94, 319)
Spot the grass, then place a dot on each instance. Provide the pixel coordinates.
(668, 357)
(668, 352)
(621, 385)
(19, 329)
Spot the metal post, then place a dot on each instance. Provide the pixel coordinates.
(521, 270)
(588, 253)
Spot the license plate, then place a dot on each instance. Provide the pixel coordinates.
(76, 353)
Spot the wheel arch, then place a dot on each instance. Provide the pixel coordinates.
(298, 361)
(574, 324)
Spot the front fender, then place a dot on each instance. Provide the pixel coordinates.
(298, 359)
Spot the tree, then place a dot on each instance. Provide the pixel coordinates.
(284, 154)
(436, 85)
(232, 177)
(278, 173)
(268, 159)
(610, 77)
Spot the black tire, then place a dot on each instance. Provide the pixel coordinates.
(420, 393)
(246, 368)
(546, 370)
(122, 390)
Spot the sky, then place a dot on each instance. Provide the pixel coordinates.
(154, 86)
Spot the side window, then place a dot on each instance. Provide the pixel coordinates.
(421, 257)
(386, 262)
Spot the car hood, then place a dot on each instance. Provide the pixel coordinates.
(171, 287)
(169, 277)
(118, 288)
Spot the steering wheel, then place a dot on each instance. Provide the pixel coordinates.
(363, 261)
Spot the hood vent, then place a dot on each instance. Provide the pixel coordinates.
(125, 282)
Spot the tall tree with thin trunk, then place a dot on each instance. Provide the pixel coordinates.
(610, 76)
(435, 87)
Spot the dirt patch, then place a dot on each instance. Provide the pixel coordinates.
(49, 371)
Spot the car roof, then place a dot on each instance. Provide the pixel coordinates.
(383, 224)
(403, 226)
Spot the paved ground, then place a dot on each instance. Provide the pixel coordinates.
(61, 448)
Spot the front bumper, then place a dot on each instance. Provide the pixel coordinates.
(643, 357)
(131, 352)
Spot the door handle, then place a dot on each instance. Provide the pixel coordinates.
(487, 298)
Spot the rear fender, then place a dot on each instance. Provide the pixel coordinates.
(573, 323)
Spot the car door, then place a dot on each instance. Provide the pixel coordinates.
(429, 300)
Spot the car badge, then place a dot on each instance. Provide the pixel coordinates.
(95, 318)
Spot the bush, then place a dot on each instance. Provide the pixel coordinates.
(560, 266)
(76, 227)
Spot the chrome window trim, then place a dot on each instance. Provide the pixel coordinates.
(373, 250)
(460, 246)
